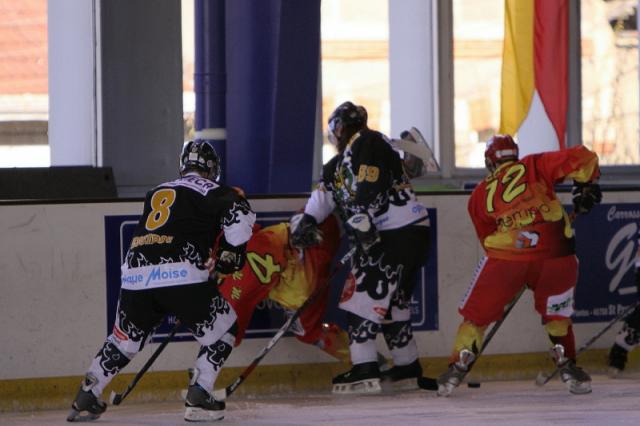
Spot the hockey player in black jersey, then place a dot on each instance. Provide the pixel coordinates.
(165, 272)
(628, 337)
(366, 184)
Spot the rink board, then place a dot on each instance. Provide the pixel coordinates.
(268, 317)
(54, 303)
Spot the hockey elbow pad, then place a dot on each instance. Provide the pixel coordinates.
(304, 231)
(363, 231)
(585, 196)
(229, 258)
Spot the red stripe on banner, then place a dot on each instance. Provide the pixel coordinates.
(551, 47)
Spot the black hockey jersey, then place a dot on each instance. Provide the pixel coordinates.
(179, 224)
(367, 177)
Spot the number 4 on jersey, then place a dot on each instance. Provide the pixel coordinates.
(263, 267)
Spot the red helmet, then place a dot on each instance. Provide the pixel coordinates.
(500, 148)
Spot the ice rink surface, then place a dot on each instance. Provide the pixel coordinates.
(613, 402)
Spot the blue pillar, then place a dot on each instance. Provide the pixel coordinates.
(210, 77)
(273, 53)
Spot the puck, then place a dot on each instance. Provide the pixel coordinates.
(473, 384)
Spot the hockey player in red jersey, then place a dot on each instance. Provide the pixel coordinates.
(366, 185)
(274, 270)
(528, 240)
(164, 273)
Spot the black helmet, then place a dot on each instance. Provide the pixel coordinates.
(201, 156)
(344, 122)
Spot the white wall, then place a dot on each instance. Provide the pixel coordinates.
(53, 291)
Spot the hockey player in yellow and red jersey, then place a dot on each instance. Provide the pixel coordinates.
(528, 240)
(276, 271)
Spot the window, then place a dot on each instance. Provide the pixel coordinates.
(609, 41)
(478, 33)
(24, 100)
(355, 66)
(188, 66)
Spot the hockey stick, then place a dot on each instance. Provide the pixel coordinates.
(543, 379)
(467, 358)
(498, 323)
(222, 394)
(411, 141)
(117, 398)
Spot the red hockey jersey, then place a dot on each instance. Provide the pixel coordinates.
(515, 211)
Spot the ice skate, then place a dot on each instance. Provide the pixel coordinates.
(617, 360)
(452, 378)
(86, 401)
(402, 377)
(362, 378)
(575, 378)
(201, 406)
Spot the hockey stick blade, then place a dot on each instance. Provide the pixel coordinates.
(415, 144)
(115, 398)
(427, 383)
(542, 379)
(74, 416)
(220, 394)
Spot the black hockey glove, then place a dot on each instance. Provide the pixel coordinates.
(229, 259)
(585, 196)
(304, 231)
(363, 231)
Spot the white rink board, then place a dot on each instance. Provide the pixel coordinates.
(52, 308)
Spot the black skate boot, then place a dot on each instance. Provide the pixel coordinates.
(362, 378)
(86, 401)
(617, 360)
(575, 378)
(201, 406)
(456, 373)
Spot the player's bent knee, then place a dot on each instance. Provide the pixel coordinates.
(558, 327)
(128, 347)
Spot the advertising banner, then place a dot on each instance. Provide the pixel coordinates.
(269, 316)
(606, 245)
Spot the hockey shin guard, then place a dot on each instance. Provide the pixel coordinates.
(399, 338)
(561, 333)
(211, 359)
(107, 363)
(628, 338)
(362, 339)
(469, 337)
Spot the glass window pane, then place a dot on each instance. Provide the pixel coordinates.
(478, 33)
(355, 46)
(609, 40)
(24, 102)
(188, 67)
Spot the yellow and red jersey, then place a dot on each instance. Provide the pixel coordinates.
(516, 212)
(274, 270)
